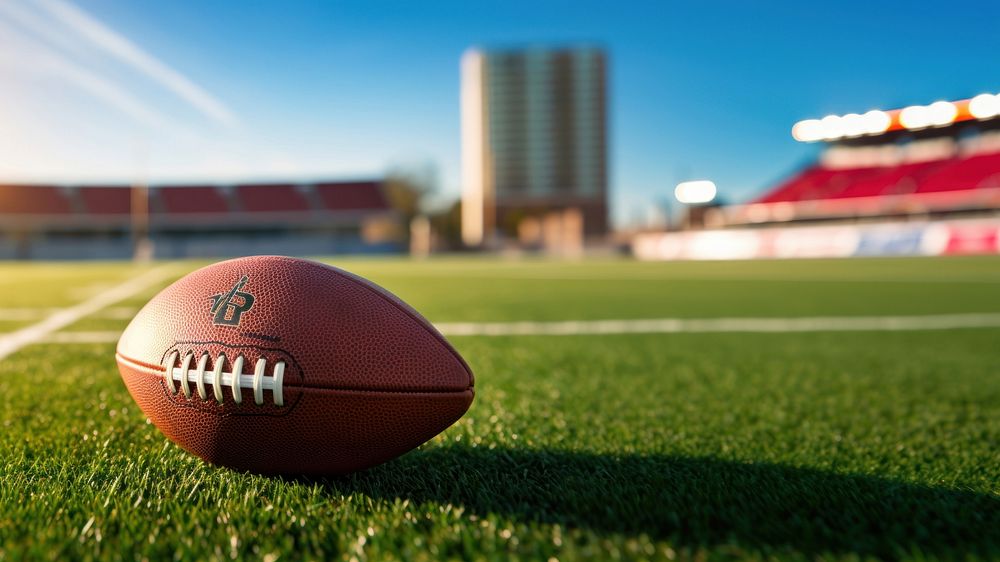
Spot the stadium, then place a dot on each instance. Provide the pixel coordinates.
(373, 288)
(922, 180)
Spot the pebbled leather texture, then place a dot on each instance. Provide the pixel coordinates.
(366, 377)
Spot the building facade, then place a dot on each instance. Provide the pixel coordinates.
(534, 139)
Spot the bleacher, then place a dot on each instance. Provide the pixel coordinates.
(79, 221)
(976, 172)
(33, 201)
(99, 201)
(964, 183)
(351, 196)
(272, 198)
(899, 164)
(192, 200)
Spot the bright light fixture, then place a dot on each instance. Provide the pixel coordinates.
(876, 122)
(853, 125)
(833, 127)
(985, 106)
(810, 130)
(915, 117)
(941, 113)
(695, 192)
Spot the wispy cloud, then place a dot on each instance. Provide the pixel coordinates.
(30, 57)
(124, 50)
(28, 20)
(59, 52)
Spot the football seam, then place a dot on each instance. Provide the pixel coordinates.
(439, 390)
(187, 403)
(299, 372)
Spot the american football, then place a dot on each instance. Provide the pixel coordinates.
(282, 365)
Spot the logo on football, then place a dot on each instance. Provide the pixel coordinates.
(229, 307)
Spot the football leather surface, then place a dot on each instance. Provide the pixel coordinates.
(281, 365)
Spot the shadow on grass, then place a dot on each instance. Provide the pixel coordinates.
(694, 501)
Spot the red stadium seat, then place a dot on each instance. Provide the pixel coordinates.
(980, 171)
(271, 198)
(956, 183)
(34, 200)
(817, 183)
(192, 200)
(974, 172)
(351, 196)
(106, 200)
(895, 180)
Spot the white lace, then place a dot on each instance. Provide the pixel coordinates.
(218, 378)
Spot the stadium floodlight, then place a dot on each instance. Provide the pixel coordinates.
(695, 192)
(833, 127)
(985, 106)
(876, 122)
(810, 130)
(915, 117)
(941, 113)
(853, 125)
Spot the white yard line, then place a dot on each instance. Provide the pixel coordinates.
(666, 326)
(695, 325)
(10, 343)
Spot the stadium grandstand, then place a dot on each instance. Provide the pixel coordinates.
(107, 221)
(924, 179)
(942, 159)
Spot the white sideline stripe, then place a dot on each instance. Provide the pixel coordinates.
(694, 325)
(14, 341)
(667, 325)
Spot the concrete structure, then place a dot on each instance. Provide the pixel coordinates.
(534, 138)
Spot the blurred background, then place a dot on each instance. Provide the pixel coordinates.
(667, 131)
(594, 184)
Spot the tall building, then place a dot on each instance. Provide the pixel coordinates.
(534, 138)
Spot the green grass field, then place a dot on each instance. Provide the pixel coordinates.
(688, 446)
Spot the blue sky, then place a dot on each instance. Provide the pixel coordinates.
(165, 90)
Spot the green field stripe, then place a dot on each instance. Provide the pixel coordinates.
(13, 341)
(836, 446)
(709, 325)
(682, 446)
